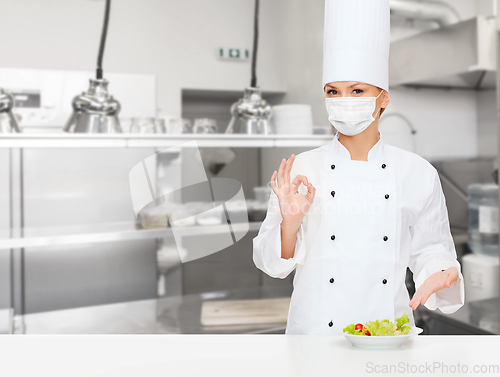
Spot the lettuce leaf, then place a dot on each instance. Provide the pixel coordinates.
(400, 322)
(382, 328)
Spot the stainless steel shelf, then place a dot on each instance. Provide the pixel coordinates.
(164, 315)
(64, 140)
(107, 232)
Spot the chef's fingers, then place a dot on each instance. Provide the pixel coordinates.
(450, 280)
(413, 301)
(296, 182)
(416, 301)
(453, 274)
(424, 298)
(311, 192)
(289, 164)
(280, 173)
(415, 305)
(273, 183)
(420, 297)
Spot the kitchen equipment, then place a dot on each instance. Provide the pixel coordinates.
(432, 11)
(256, 211)
(209, 215)
(237, 312)
(263, 194)
(460, 55)
(125, 124)
(6, 321)
(483, 218)
(8, 122)
(381, 341)
(237, 210)
(293, 119)
(143, 126)
(42, 97)
(397, 134)
(179, 126)
(481, 274)
(205, 126)
(251, 114)
(216, 159)
(167, 256)
(160, 126)
(95, 111)
(184, 214)
(187, 127)
(153, 217)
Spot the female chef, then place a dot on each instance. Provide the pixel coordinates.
(352, 215)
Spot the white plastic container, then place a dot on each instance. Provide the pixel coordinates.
(183, 214)
(209, 215)
(483, 218)
(153, 217)
(480, 276)
(263, 194)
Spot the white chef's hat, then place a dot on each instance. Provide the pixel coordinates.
(356, 42)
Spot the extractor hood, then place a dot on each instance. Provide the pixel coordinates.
(461, 55)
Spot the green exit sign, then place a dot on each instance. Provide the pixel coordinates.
(234, 53)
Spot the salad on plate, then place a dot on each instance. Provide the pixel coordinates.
(380, 328)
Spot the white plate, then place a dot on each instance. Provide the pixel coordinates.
(381, 341)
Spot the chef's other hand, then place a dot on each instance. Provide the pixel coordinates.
(435, 282)
(293, 205)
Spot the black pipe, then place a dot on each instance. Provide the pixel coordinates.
(103, 40)
(253, 83)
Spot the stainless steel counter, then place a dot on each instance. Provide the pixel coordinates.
(474, 318)
(171, 315)
(181, 315)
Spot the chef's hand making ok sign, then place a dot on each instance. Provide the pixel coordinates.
(435, 282)
(293, 205)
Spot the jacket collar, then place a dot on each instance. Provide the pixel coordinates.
(375, 153)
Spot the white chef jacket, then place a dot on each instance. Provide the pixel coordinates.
(368, 222)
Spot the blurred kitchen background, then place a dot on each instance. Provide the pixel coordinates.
(73, 256)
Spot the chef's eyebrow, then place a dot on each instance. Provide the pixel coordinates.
(331, 86)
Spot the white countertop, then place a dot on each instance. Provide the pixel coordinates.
(241, 355)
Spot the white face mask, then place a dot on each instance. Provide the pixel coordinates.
(351, 115)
